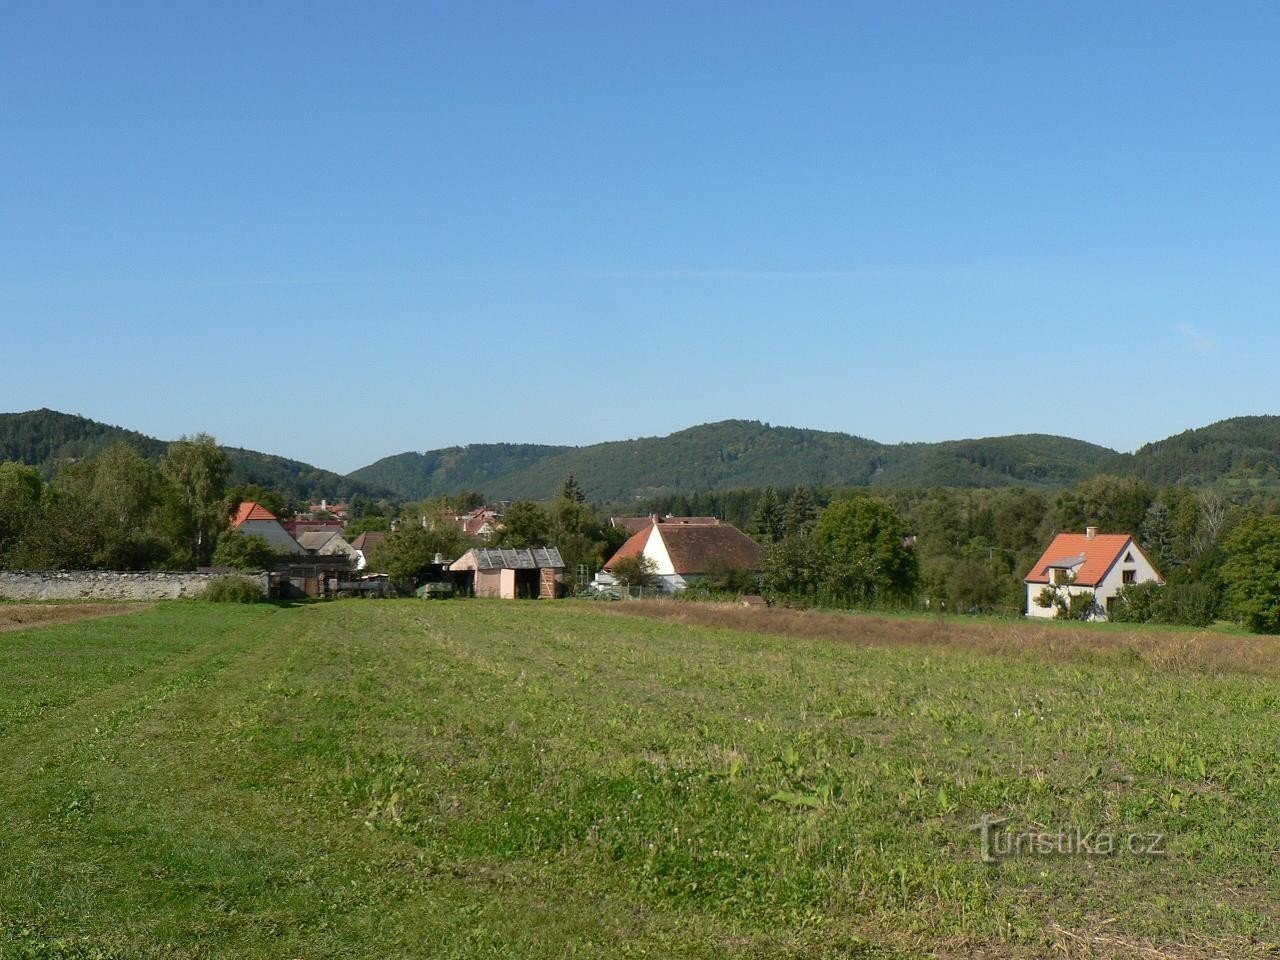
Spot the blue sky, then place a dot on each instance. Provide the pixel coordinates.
(338, 232)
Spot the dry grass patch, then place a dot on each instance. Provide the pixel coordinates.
(1211, 649)
(22, 616)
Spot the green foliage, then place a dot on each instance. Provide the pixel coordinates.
(194, 508)
(637, 571)
(233, 589)
(1241, 447)
(408, 553)
(244, 551)
(869, 561)
(1189, 604)
(524, 524)
(1251, 573)
(767, 526)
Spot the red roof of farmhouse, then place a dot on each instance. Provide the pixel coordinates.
(251, 511)
(1094, 557)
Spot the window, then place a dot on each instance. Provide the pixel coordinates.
(1128, 576)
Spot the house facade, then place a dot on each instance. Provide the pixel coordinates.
(256, 520)
(1089, 562)
(683, 550)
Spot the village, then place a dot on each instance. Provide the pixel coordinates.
(315, 559)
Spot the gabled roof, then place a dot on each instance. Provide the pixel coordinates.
(508, 558)
(699, 547)
(1090, 559)
(369, 541)
(251, 511)
(315, 539)
(695, 547)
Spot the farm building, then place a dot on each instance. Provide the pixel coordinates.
(1092, 562)
(526, 573)
(256, 520)
(326, 543)
(685, 549)
(365, 544)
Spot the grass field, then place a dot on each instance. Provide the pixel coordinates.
(488, 779)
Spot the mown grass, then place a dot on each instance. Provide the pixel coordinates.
(479, 779)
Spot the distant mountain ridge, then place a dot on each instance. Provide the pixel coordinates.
(725, 455)
(48, 440)
(736, 453)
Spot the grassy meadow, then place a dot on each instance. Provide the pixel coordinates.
(489, 779)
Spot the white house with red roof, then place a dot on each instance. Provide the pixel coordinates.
(1092, 562)
(255, 519)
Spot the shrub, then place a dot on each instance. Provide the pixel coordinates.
(232, 589)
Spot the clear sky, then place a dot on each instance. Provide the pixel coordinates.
(341, 231)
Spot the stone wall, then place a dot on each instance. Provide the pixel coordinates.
(108, 585)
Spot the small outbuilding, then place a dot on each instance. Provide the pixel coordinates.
(511, 573)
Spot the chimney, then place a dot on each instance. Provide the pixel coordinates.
(1090, 533)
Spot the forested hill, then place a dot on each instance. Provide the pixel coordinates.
(736, 453)
(1242, 448)
(49, 440)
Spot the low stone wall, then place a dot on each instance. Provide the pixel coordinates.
(108, 585)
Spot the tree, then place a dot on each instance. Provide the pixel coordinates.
(768, 522)
(195, 473)
(571, 491)
(798, 519)
(637, 571)
(409, 552)
(21, 494)
(244, 551)
(870, 561)
(525, 524)
(1251, 573)
(794, 567)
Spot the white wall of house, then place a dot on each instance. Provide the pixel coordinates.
(655, 550)
(1131, 567)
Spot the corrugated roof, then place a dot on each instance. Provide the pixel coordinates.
(515, 558)
(1071, 550)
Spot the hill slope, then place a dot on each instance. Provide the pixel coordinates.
(735, 453)
(1239, 447)
(48, 440)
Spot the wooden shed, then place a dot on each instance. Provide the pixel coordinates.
(511, 573)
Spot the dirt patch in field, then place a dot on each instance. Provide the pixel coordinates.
(1191, 649)
(22, 616)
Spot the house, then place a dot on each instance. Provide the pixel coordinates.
(506, 573)
(480, 523)
(326, 543)
(298, 525)
(634, 525)
(1100, 563)
(256, 520)
(365, 544)
(685, 549)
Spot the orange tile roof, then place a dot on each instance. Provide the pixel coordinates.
(634, 547)
(251, 511)
(1097, 556)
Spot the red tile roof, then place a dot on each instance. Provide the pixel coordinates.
(251, 511)
(1091, 558)
(634, 547)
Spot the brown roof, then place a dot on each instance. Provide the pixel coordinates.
(368, 541)
(696, 547)
(1093, 557)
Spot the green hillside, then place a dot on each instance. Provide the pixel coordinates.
(1241, 449)
(50, 440)
(732, 454)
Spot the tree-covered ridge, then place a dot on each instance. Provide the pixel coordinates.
(49, 441)
(477, 466)
(736, 453)
(1243, 448)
